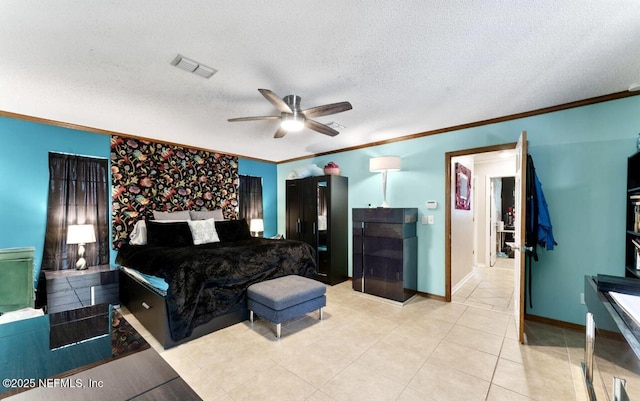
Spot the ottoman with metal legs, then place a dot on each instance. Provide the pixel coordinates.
(285, 298)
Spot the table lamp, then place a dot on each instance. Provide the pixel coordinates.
(256, 226)
(81, 234)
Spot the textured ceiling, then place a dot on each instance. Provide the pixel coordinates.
(406, 67)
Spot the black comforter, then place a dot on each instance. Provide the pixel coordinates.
(206, 281)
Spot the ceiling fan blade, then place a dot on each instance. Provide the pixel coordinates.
(280, 133)
(321, 128)
(276, 101)
(327, 109)
(232, 120)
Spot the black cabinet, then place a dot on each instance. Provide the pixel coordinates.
(72, 289)
(632, 257)
(385, 252)
(317, 213)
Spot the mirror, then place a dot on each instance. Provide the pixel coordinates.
(322, 215)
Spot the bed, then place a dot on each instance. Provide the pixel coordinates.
(205, 284)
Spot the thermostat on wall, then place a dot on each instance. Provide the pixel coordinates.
(432, 204)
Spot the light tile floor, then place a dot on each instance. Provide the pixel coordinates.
(369, 349)
(489, 287)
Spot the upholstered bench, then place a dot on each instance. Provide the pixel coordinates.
(285, 298)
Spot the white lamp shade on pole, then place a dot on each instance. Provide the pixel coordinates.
(384, 164)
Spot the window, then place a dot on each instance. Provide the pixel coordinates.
(78, 194)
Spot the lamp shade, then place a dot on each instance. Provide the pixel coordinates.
(80, 234)
(384, 163)
(256, 225)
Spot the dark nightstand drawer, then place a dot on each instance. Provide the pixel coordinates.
(92, 280)
(72, 289)
(102, 294)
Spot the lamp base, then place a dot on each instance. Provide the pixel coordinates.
(81, 264)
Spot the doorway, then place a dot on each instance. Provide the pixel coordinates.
(500, 219)
(455, 247)
(482, 259)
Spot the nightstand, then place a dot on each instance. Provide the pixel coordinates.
(72, 289)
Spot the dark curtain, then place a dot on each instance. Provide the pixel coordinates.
(250, 194)
(78, 194)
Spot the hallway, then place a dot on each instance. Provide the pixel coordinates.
(489, 287)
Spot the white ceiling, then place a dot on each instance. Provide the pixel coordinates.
(406, 67)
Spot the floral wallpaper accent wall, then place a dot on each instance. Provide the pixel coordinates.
(148, 176)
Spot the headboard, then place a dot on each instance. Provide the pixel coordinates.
(148, 176)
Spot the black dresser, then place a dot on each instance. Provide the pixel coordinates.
(385, 252)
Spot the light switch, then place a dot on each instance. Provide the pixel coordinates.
(430, 219)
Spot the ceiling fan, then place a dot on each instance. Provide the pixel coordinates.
(292, 118)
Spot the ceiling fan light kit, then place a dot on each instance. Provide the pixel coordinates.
(292, 123)
(293, 118)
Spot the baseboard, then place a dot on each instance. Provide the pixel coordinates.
(432, 296)
(424, 294)
(461, 282)
(554, 322)
(572, 326)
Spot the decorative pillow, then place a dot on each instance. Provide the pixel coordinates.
(171, 234)
(203, 231)
(139, 234)
(232, 230)
(206, 214)
(179, 215)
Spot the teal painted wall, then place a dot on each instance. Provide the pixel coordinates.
(580, 156)
(269, 174)
(24, 177)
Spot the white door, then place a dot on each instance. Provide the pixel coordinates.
(520, 213)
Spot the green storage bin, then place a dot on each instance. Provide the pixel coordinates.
(16, 279)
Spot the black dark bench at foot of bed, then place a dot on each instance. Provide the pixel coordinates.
(150, 309)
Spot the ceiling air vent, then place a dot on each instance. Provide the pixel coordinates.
(193, 66)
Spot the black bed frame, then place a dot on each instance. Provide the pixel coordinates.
(150, 308)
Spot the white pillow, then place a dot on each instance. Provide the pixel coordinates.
(203, 231)
(206, 214)
(139, 234)
(179, 215)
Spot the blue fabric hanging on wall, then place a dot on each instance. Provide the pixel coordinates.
(539, 230)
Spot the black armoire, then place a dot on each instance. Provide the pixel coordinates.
(317, 213)
(385, 252)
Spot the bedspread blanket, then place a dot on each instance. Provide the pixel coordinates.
(206, 281)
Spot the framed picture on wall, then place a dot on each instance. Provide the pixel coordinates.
(463, 187)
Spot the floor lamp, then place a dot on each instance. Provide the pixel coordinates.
(384, 164)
